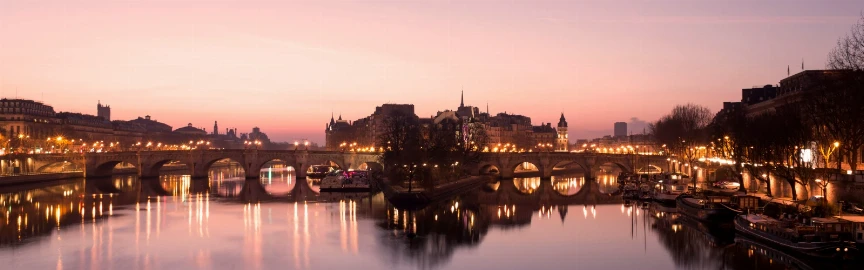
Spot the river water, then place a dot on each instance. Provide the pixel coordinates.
(277, 222)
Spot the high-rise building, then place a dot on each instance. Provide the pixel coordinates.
(103, 111)
(620, 129)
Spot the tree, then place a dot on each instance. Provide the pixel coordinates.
(684, 132)
(849, 52)
(834, 112)
(400, 137)
(839, 109)
(731, 131)
(431, 152)
(761, 153)
(794, 158)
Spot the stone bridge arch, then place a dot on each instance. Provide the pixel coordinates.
(102, 165)
(265, 157)
(151, 162)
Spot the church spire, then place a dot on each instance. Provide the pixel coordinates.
(462, 99)
(331, 119)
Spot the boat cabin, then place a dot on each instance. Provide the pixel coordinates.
(674, 188)
(833, 229)
(718, 199)
(822, 230)
(857, 226)
(743, 202)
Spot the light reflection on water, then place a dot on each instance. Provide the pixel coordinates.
(177, 222)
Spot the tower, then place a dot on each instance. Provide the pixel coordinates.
(462, 99)
(103, 111)
(620, 129)
(215, 127)
(563, 142)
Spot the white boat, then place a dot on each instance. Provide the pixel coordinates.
(340, 180)
(668, 192)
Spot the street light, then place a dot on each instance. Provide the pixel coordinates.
(823, 185)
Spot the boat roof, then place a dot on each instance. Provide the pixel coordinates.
(825, 220)
(855, 219)
(753, 218)
(693, 200)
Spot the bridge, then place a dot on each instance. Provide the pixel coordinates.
(198, 162)
(547, 163)
(505, 192)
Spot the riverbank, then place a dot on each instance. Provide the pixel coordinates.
(419, 197)
(37, 177)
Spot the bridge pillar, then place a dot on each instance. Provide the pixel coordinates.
(506, 174)
(546, 172)
(299, 170)
(252, 174)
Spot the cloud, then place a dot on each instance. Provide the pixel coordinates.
(637, 126)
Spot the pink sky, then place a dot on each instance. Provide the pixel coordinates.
(286, 65)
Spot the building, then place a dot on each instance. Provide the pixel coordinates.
(755, 95)
(759, 100)
(790, 90)
(191, 131)
(86, 127)
(502, 129)
(563, 142)
(28, 123)
(23, 118)
(103, 111)
(256, 135)
(620, 129)
(545, 136)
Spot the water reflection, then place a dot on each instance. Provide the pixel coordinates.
(224, 222)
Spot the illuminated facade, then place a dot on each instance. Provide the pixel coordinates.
(28, 124)
(503, 131)
(563, 142)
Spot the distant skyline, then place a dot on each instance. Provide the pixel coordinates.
(285, 66)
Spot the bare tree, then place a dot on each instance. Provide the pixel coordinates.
(849, 52)
(839, 109)
(429, 153)
(684, 132)
(400, 137)
(731, 131)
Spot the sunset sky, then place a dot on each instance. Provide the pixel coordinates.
(286, 65)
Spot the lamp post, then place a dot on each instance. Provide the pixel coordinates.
(839, 156)
(823, 185)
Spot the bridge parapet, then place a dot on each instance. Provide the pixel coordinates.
(545, 162)
(148, 163)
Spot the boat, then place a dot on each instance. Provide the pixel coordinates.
(739, 203)
(319, 171)
(710, 208)
(826, 238)
(631, 190)
(858, 228)
(775, 255)
(668, 192)
(339, 180)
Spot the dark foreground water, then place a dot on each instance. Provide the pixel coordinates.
(178, 223)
